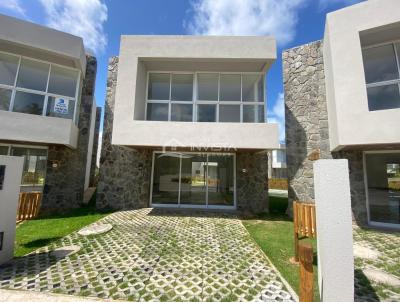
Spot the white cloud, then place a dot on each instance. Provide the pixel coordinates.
(323, 4)
(13, 6)
(246, 17)
(83, 18)
(277, 115)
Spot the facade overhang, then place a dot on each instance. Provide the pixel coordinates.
(29, 128)
(42, 43)
(197, 136)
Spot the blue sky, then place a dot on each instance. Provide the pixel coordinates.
(101, 22)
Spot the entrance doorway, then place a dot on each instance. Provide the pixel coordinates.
(193, 180)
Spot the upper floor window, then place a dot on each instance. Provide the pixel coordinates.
(36, 87)
(205, 97)
(382, 75)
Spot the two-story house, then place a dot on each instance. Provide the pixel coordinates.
(47, 110)
(185, 123)
(342, 100)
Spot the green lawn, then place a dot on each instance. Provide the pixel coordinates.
(273, 232)
(33, 234)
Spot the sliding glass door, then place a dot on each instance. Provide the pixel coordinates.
(204, 180)
(383, 187)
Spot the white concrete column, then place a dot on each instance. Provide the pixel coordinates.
(9, 195)
(334, 230)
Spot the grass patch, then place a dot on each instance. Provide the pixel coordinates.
(273, 232)
(33, 234)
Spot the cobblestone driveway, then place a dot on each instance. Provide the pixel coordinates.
(386, 261)
(151, 255)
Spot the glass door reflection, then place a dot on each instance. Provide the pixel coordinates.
(166, 178)
(221, 180)
(193, 179)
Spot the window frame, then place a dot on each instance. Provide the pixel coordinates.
(387, 82)
(196, 102)
(14, 88)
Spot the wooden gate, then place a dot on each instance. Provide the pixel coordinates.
(28, 205)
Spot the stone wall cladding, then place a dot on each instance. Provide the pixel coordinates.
(124, 181)
(64, 184)
(252, 181)
(306, 123)
(93, 179)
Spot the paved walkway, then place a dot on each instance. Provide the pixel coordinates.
(152, 255)
(377, 265)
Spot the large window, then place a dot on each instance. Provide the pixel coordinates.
(205, 97)
(36, 87)
(382, 75)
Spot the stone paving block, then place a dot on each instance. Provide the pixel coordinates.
(152, 255)
(384, 259)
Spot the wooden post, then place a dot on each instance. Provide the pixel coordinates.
(306, 272)
(296, 247)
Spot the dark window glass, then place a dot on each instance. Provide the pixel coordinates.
(182, 87)
(33, 75)
(253, 113)
(25, 102)
(230, 87)
(8, 68)
(229, 113)
(182, 112)
(383, 97)
(380, 64)
(206, 113)
(157, 112)
(207, 86)
(5, 99)
(158, 86)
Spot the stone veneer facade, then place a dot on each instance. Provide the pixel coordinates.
(93, 179)
(306, 123)
(64, 184)
(124, 179)
(125, 172)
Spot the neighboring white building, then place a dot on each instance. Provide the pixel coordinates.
(47, 109)
(277, 167)
(349, 107)
(193, 109)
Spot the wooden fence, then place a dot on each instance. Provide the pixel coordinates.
(304, 223)
(278, 183)
(28, 205)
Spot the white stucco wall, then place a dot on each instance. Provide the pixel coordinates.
(9, 196)
(211, 135)
(334, 230)
(15, 126)
(139, 54)
(29, 38)
(350, 121)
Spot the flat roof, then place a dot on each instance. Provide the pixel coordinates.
(23, 37)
